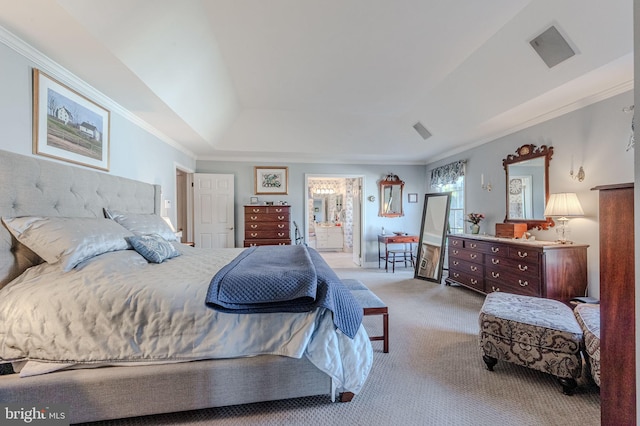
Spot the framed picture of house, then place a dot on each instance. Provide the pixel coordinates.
(271, 180)
(67, 125)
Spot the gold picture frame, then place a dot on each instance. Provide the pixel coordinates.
(67, 125)
(271, 180)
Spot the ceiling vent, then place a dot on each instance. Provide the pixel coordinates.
(552, 47)
(422, 130)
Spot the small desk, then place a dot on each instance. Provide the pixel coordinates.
(393, 239)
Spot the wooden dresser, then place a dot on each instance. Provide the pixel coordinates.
(266, 225)
(617, 305)
(535, 268)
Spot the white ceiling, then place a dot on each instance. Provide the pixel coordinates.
(333, 80)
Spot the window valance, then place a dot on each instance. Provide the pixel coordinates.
(447, 174)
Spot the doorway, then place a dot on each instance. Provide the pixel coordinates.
(334, 218)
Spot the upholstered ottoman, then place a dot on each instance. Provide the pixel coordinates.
(533, 332)
(588, 316)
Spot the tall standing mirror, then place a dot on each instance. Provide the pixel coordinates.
(527, 174)
(433, 234)
(391, 189)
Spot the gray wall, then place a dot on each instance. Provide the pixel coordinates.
(135, 153)
(594, 137)
(413, 176)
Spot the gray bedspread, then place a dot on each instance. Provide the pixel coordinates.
(268, 279)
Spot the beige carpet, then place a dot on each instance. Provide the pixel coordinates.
(433, 375)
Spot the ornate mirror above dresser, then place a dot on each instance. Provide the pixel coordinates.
(527, 191)
(391, 188)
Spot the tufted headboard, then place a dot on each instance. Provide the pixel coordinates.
(31, 186)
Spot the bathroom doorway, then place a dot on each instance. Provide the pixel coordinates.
(334, 218)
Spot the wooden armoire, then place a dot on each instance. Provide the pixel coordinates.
(617, 305)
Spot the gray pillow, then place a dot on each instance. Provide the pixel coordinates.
(153, 247)
(68, 240)
(142, 224)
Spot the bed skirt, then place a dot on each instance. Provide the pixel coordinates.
(119, 392)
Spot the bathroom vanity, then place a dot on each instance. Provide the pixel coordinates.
(329, 237)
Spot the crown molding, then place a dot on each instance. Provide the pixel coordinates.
(51, 67)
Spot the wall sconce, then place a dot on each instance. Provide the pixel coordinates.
(486, 187)
(563, 206)
(579, 175)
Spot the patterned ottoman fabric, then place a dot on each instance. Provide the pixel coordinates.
(588, 317)
(538, 333)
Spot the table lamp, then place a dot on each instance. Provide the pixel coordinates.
(563, 206)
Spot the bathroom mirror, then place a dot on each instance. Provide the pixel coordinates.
(391, 188)
(433, 234)
(527, 190)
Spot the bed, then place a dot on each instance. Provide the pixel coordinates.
(119, 298)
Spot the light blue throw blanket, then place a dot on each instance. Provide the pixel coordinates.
(267, 279)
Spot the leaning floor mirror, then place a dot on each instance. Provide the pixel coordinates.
(433, 234)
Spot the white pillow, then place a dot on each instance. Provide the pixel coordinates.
(142, 224)
(68, 240)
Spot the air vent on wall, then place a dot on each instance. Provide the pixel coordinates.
(422, 130)
(552, 47)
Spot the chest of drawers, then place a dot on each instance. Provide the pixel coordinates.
(542, 269)
(266, 225)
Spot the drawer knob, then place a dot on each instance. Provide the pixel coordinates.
(454, 242)
(253, 217)
(256, 210)
(254, 234)
(474, 268)
(456, 275)
(280, 217)
(495, 261)
(455, 251)
(523, 267)
(253, 226)
(278, 210)
(495, 288)
(473, 255)
(521, 254)
(495, 249)
(474, 282)
(281, 225)
(495, 274)
(472, 245)
(456, 263)
(523, 283)
(280, 234)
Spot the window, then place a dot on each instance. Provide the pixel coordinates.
(456, 211)
(450, 178)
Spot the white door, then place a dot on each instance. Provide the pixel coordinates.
(357, 222)
(213, 216)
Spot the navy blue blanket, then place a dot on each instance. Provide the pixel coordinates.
(283, 279)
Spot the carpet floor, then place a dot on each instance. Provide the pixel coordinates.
(433, 374)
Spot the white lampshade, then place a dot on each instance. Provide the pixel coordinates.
(563, 204)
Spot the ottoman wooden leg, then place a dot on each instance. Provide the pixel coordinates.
(490, 361)
(568, 385)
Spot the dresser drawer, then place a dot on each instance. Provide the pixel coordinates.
(267, 217)
(516, 266)
(469, 268)
(251, 235)
(525, 254)
(266, 242)
(467, 280)
(516, 286)
(267, 226)
(468, 255)
(266, 209)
